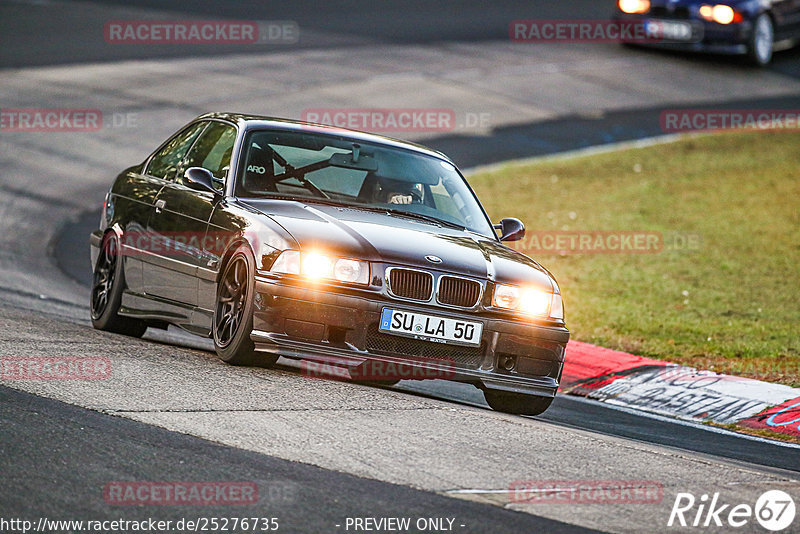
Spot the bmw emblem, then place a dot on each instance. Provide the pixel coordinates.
(434, 259)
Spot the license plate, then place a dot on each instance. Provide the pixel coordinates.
(669, 30)
(430, 327)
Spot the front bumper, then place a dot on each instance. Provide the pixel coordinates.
(340, 327)
(711, 37)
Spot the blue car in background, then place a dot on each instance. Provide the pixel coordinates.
(754, 28)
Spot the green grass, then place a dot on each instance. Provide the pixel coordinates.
(733, 304)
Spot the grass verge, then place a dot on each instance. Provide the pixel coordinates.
(723, 291)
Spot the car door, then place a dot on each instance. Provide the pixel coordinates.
(180, 218)
(136, 198)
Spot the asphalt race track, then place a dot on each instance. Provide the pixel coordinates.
(290, 491)
(322, 451)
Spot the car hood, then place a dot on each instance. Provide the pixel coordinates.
(397, 240)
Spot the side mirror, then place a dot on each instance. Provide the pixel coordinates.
(510, 229)
(199, 179)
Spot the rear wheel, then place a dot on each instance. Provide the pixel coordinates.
(233, 313)
(108, 283)
(517, 403)
(762, 41)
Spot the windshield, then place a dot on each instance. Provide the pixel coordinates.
(344, 171)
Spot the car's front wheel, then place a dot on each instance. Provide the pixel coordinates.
(517, 403)
(762, 41)
(108, 282)
(233, 312)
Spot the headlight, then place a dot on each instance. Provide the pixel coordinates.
(557, 308)
(720, 13)
(528, 301)
(287, 263)
(317, 266)
(351, 271)
(634, 6)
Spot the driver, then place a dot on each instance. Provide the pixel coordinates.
(399, 192)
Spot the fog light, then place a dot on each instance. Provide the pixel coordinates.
(508, 362)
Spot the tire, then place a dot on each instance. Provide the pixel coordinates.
(517, 403)
(108, 283)
(233, 312)
(762, 41)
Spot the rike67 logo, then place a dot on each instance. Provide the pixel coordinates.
(774, 510)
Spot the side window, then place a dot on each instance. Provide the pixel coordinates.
(165, 163)
(213, 150)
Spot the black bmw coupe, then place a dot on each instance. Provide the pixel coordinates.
(754, 28)
(281, 238)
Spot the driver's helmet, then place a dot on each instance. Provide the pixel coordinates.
(390, 191)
